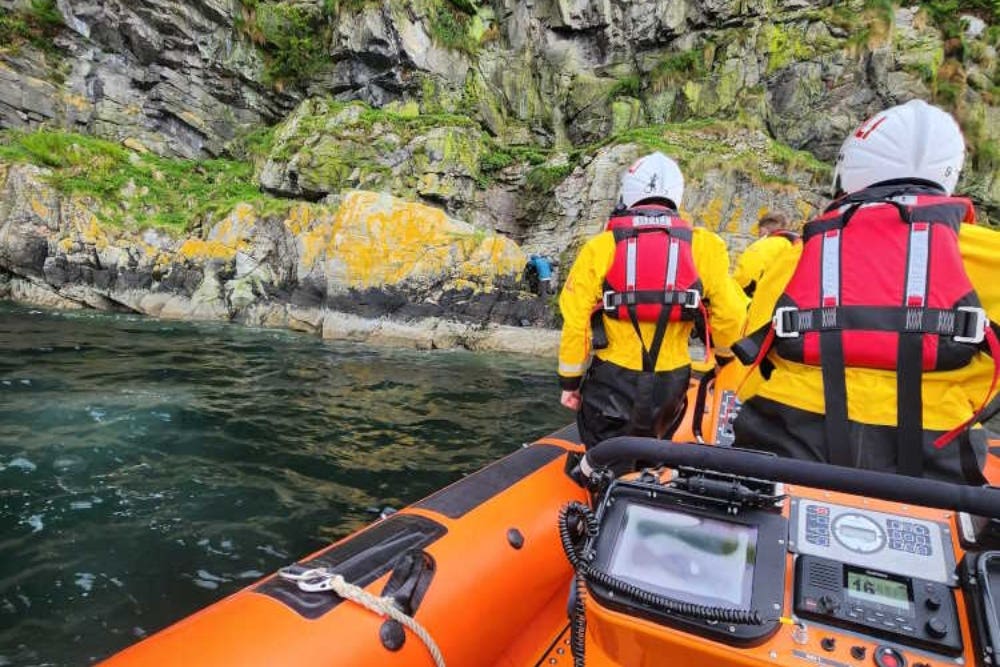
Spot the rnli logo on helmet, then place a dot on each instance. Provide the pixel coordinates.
(867, 127)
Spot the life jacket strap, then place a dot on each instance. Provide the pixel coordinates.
(993, 345)
(965, 324)
(612, 301)
(838, 443)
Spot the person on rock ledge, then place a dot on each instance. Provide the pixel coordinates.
(774, 238)
(875, 334)
(633, 296)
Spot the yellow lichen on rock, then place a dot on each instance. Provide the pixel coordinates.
(732, 226)
(376, 240)
(236, 229)
(91, 232)
(40, 209)
(805, 210)
(197, 249)
(312, 227)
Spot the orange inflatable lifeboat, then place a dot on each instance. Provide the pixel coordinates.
(639, 552)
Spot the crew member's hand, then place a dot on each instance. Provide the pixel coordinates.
(571, 399)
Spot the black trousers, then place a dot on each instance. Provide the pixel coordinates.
(620, 401)
(770, 426)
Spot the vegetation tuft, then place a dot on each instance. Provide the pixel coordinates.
(293, 38)
(140, 190)
(37, 24)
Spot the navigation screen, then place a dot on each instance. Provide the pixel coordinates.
(869, 588)
(690, 558)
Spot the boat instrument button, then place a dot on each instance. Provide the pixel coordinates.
(828, 644)
(933, 602)
(859, 652)
(886, 656)
(829, 604)
(937, 628)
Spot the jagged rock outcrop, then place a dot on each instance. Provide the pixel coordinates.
(174, 76)
(366, 269)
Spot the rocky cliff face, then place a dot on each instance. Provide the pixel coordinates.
(332, 270)
(174, 76)
(514, 116)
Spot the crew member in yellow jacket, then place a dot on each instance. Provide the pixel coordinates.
(898, 168)
(774, 239)
(632, 297)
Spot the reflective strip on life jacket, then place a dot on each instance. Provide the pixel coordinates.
(830, 269)
(916, 270)
(671, 279)
(630, 263)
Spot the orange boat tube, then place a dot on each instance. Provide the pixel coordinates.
(484, 567)
(487, 580)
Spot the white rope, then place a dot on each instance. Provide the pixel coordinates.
(385, 607)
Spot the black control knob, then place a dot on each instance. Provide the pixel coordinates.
(936, 628)
(859, 652)
(933, 602)
(828, 644)
(829, 604)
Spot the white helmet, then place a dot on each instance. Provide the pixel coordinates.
(912, 140)
(654, 176)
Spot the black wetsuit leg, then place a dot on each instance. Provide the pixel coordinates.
(620, 401)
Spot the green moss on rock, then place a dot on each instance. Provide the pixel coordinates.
(137, 189)
(36, 24)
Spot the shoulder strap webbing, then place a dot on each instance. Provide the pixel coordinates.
(831, 350)
(910, 355)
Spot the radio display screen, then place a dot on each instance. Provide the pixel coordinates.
(685, 556)
(870, 588)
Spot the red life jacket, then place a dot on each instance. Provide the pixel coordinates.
(652, 277)
(881, 284)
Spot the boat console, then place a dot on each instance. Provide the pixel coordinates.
(718, 556)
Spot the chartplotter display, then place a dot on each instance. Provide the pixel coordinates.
(687, 557)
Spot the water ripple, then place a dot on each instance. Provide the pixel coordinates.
(148, 468)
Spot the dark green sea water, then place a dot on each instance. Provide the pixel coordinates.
(149, 468)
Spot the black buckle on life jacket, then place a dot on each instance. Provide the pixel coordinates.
(693, 300)
(974, 330)
(784, 327)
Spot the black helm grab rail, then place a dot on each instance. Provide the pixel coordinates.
(611, 454)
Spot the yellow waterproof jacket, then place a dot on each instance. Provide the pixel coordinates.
(949, 397)
(756, 258)
(583, 291)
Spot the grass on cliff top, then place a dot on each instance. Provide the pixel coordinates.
(138, 190)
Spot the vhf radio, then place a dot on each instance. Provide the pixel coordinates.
(906, 609)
